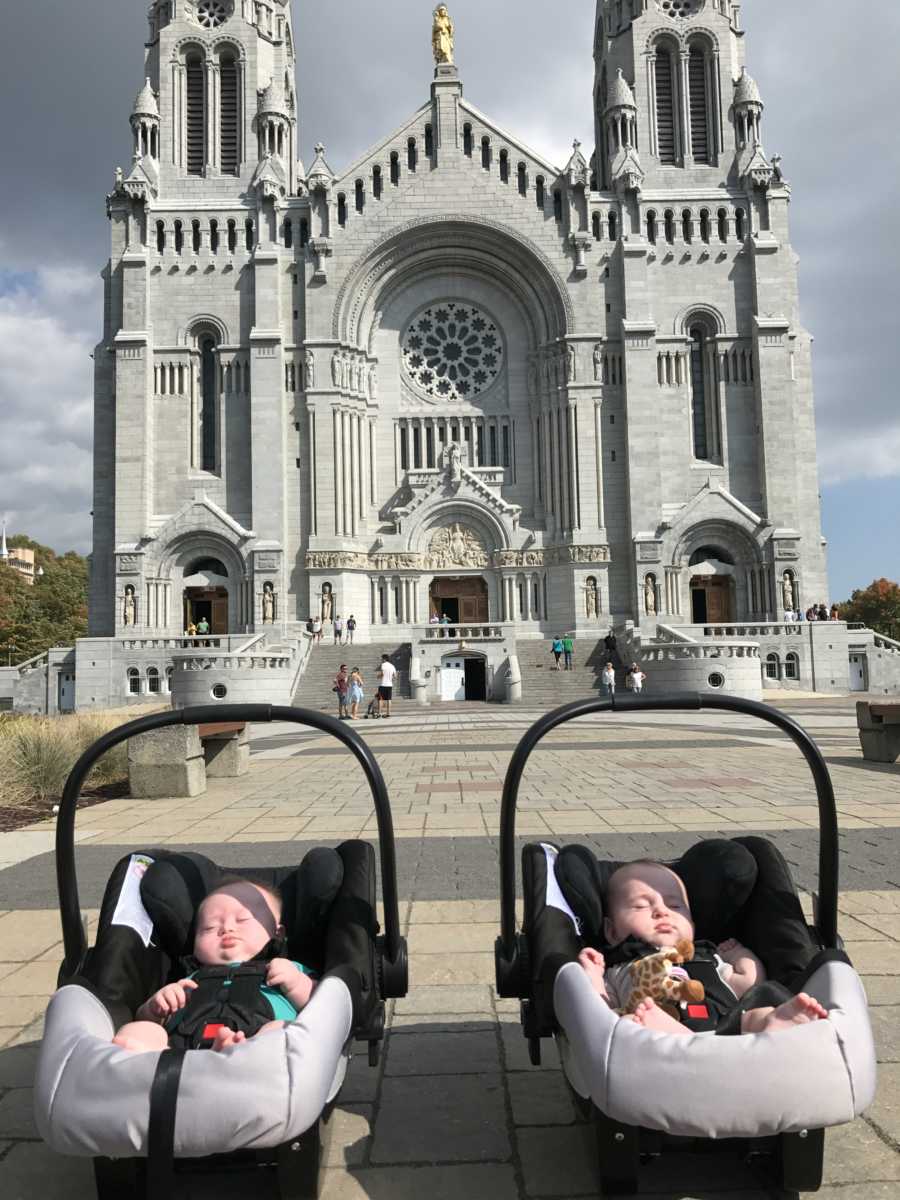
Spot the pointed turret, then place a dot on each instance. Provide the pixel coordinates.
(4, 552)
(625, 171)
(752, 164)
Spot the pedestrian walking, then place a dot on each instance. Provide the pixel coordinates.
(557, 650)
(338, 630)
(317, 630)
(341, 688)
(608, 679)
(356, 692)
(610, 643)
(568, 651)
(351, 629)
(387, 672)
(636, 679)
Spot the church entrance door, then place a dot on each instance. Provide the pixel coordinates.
(711, 600)
(211, 603)
(463, 601)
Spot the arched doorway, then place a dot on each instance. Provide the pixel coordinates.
(462, 599)
(205, 596)
(712, 586)
(464, 677)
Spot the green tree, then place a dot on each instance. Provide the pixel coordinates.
(51, 612)
(877, 606)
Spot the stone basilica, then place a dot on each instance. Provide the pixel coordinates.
(452, 377)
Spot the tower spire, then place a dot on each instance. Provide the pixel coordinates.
(4, 552)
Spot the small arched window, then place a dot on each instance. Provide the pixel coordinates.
(670, 226)
(195, 236)
(170, 671)
(209, 376)
(395, 168)
(522, 176)
(248, 234)
(698, 89)
(704, 418)
(666, 104)
(486, 153)
(687, 225)
(153, 684)
(723, 225)
(304, 232)
(377, 184)
(704, 226)
(360, 195)
(597, 226)
(160, 237)
(429, 141)
(539, 198)
(612, 226)
(232, 237)
(557, 204)
(504, 166)
(651, 227)
(467, 140)
(792, 666)
(740, 224)
(214, 237)
(288, 233)
(411, 154)
(773, 666)
(134, 681)
(342, 209)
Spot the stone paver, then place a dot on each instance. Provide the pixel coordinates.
(455, 1107)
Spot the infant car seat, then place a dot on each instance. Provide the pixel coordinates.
(638, 1085)
(267, 1101)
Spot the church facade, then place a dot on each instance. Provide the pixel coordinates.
(452, 378)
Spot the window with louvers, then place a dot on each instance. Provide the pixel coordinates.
(699, 105)
(665, 107)
(196, 116)
(229, 117)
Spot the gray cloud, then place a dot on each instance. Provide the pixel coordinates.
(828, 79)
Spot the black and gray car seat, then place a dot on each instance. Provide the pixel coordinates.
(142, 1116)
(637, 1085)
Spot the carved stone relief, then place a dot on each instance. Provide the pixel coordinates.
(455, 546)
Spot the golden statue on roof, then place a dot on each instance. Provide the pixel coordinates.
(442, 35)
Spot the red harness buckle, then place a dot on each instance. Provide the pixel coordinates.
(698, 1012)
(210, 1031)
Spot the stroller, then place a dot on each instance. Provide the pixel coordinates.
(144, 1118)
(646, 1093)
(373, 711)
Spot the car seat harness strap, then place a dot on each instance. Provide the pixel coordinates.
(161, 1127)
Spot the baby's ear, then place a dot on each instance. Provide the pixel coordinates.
(608, 930)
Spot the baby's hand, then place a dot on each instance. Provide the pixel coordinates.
(731, 951)
(168, 1000)
(285, 975)
(593, 958)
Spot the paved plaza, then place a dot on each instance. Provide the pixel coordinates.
(456, 1109)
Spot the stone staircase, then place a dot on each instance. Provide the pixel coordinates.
(545, 687)
(314, 689)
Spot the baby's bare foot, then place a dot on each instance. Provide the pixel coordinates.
(594, 964)
(651, 1016)
(799, 1011)
(226, 1038)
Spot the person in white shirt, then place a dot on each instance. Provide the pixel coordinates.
(386, 674)
(608, 679)
(636, 679)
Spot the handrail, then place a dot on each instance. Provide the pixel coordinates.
(74, 940)
(826, 918)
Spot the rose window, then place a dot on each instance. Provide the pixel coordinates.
(680, 8)
(211, 13)
(452, 352)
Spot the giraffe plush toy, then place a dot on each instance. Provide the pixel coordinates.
(657, 977)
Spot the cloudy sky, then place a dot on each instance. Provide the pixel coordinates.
(828, 74)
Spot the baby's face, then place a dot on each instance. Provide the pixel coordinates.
(648, 902)
(234, 924)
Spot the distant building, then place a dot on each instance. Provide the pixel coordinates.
(19, 559)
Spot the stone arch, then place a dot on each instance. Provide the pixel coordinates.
(184, 551)
(190, 44)
(200, 323)
(737, 543)
(227, 42)
(462, 242)
(661, 34)
(707, 37)
(709, 312)
(481, 520)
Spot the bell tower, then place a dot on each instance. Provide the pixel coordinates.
(220, 74)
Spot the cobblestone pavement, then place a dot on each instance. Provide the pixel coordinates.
(455, 1107)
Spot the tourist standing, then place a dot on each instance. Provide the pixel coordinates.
(356, 693)
(317, 630)
(835, 613)
(351, 629)
(608, 679)
(610, 643)
(636, 679)
(387, 672)
(557, 649)
(338, 630)
(822, 613)
(341, 688)
(568, 650)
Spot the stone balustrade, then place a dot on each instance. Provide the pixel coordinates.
(488, 632)
(745, 629)
(672, 652)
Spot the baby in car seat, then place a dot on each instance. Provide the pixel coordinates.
(238, 923)
(648, 910)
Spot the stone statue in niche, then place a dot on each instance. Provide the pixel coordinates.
(345, 372)
(336, 368)
(373, 382)
(787, 591)
(129, 613)
(310, 361)
(650, 596)
(442, 35)
(453, 462)
(268, 604)
(590, 599)
(573, 364)
(532, 377)
(598, 363)
(327, 603)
